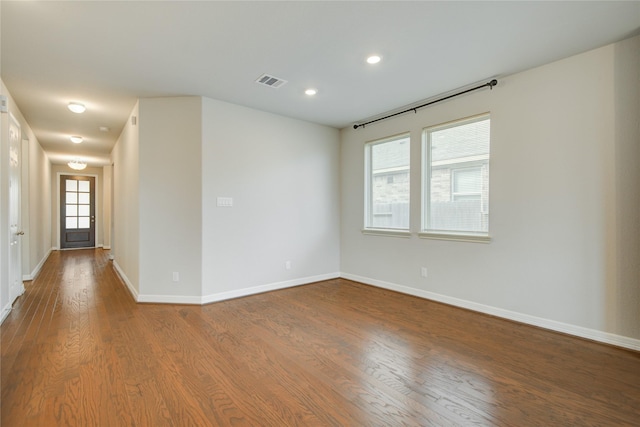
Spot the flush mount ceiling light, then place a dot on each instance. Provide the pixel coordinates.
(77, 164)
(374, 59)
(310, 92)
(76, 107)
(76, 139)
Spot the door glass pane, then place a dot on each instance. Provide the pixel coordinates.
(83, 186)
(83, 198)
(72, 210)
(72, 185)
(83, 210)
(72, 198)
(83, 222)
(72, 222)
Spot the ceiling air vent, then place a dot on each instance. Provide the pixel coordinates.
(270, 81)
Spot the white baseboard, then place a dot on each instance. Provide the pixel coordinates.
(221, 296)
(170, 299)
(36, 270)
(5, 312)
(579, 331)
(127, 282)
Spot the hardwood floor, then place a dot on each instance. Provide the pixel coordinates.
(77, 351)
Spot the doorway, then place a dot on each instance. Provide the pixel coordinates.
(77, 212)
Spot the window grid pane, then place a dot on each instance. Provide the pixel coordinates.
(457, 162)
(77, 201)
(388, 183)
(72, 210)
(72, 198)
(72, 222)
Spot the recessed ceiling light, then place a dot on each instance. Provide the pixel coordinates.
(373, 59)
(103, 129)
(76, 107)
(76, 139)
(310, 92)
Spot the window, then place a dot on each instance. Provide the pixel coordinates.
(77, 200)
(387, 183)
(456, 178)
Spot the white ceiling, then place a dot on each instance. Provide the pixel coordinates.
(108, 54)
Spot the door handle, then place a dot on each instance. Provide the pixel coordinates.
(20, 233)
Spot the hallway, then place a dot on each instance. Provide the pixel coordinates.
(78, 351)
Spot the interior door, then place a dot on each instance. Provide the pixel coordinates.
(16, 287)
(77, 212)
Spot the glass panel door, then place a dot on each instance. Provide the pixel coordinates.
(77, 211)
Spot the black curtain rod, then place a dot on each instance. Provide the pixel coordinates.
(491, 84)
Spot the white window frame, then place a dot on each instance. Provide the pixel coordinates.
(368, 189)
(425, 232)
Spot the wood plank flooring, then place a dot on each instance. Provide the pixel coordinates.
(77, 351)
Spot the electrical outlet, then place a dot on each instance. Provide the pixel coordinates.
(287, 265)
(225, 202)
(423, 271)
(176, 276)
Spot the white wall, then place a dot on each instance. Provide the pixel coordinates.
(170, 202)
(283, 176)
(624, 308)
(126, 236)
(37, 209)
(554, 210)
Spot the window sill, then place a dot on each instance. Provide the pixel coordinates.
(474, 238)
(386, 232)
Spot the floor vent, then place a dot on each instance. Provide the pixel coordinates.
(270, 81)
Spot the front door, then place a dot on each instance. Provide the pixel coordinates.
(77, 212)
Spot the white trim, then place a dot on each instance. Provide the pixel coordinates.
(221, 296)
(578, 331)
(454, 236)
(126, 281)
(36, 271)
(5, 312)
(386, 232)
(170, 299)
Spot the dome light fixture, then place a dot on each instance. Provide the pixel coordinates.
(76, 139)
(76, 107)
(77, 164)
(374, 59)
(310, 92)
